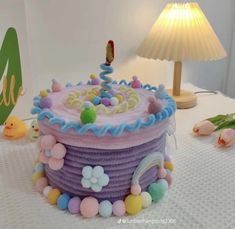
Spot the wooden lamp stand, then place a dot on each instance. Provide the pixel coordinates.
(184, 99)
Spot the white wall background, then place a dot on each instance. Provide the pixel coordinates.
(68, 38)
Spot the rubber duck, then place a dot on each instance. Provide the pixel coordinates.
(154, 106)
(56, 87)
(34, 132)
(94, 80)
(14, 128)
(135, 82)
(161, 92)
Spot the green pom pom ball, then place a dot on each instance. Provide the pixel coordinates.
(158, 189)
(88, 115)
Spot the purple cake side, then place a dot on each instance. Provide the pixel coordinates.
(119, 165)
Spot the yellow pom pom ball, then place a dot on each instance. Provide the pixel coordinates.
(36, 176)
(53, 195)
(133, 204)
(168, 165)
(120, 98)
(43, 93)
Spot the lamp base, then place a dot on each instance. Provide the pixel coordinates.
(185, 100)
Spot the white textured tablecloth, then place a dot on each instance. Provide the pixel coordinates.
(202, 195)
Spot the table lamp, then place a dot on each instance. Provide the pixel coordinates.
(182, 32)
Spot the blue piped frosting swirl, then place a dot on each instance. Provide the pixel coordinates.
(101, 131)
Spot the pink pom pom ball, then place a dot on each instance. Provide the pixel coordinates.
(105, 101)
(135, 189)
(41, 183)
(119, 208)
(162, 173)
(74, 205)
(89, 207)
(47, 142)
(58, 151)
(169, 179)
(56, 87)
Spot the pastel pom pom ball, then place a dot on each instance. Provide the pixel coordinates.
(105, 101)
(119, 208)
(146, 199)
(63, 201)
(158, 189)
(46, 190)
(162, 173)
(114, 101)
(45, 102)
(41, 183)
(105, 208)
(89, 207)
(169, 179)
(56, 87)
(135, 189)
(36, 176)
(88, 115)
(120, 98)
(47, 142)
(74, 205)
(168, 165)
(53, 195)
(96, 100)
(133, 204)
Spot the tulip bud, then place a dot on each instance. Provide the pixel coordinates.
(204, 128)
(227, 137)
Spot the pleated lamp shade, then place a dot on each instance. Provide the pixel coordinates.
(182, 32)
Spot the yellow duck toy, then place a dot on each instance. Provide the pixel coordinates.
(14, 128)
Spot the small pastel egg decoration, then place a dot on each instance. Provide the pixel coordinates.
(41, 183)
(56, 86)
(114, 101)
(168, 165)
(88, 115)
(105, 208)
(63, 201)
(45, 101)
(36, 176)
(105, 101)
(94, 80)
(53, 195)
(46, 190)
(146, 199)
(135, 82)
(133, 204)
(74, 205)
(119, 208)
(120, 98)
(154, 106)
(158, 189)
(96, 100)
(89, 207)
(161, 92)
(34, 131)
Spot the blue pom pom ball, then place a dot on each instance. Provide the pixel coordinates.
(63, 201)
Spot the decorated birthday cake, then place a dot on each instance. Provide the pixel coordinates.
(102, 144)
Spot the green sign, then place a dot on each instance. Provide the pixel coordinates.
(12, 79)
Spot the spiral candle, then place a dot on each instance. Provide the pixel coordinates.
(106, 88)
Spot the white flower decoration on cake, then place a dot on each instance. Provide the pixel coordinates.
(94, 178)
